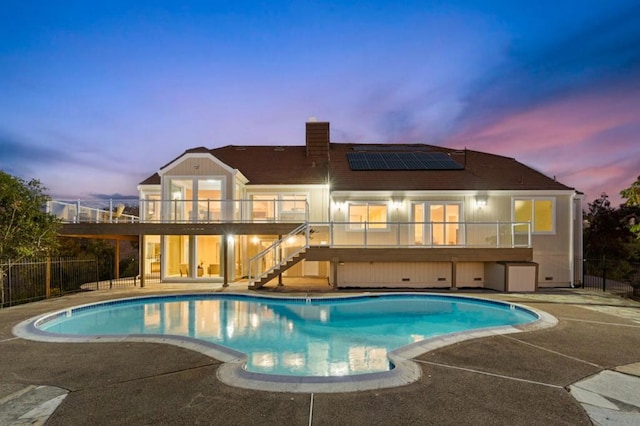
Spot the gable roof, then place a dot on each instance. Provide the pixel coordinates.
(481, 171)
(290, 165)
(274, 165)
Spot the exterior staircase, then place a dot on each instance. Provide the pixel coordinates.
(275, 262)
(277, 270)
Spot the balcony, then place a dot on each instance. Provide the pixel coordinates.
(279, 217)
(421, 234)
(179, 211)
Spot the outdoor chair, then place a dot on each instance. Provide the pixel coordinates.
(184, 270)
(213, 269)
(115, 215)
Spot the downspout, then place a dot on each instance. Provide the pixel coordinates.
(572, 213)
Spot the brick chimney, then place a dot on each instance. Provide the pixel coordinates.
(317, 139)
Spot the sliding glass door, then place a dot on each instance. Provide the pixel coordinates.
(437, 223)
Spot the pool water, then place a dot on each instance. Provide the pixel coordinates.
(294, 336)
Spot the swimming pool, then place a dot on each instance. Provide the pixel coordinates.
(328, 337)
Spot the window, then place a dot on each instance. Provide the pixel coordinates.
(375, 216)
(437, 223)
(152, 205)
(538, 211)
(195, 199)
(281, 206)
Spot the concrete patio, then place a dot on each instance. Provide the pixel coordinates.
(580, 371)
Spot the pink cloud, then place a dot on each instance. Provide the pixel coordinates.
(588, 141)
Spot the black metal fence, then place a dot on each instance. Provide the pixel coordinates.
(612, 275)
(37, 279)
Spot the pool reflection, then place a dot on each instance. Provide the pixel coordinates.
(277, 339)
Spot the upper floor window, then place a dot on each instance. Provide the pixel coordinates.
(373, 214)
(281, 206)
(539, 211)
(195, 199)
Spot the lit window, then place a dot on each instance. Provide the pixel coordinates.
(281, 206)
(537, 211)
(375, 216)
(443, 220)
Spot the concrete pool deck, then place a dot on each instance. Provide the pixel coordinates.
(585, 369)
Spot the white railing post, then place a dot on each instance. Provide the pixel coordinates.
(464, 225)
(275, 211)
(498, 233)
(431, 234)
(175, 211)
(331, 240)
(365, 233)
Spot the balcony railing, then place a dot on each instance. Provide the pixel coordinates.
(333, 234)
(180, 211)
(216, 211)
(420, 234)
(94, 211)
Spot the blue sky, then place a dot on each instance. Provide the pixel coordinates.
(96, 96)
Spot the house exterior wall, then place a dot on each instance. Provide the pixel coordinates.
(394, 275)
(200, 165)
(555, 252)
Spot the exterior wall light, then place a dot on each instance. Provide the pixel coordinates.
(481, 201)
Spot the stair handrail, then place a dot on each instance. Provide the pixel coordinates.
(273, 247)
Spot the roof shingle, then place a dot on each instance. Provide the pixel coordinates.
(290, 165)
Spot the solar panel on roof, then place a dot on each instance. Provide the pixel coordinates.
(392, 161)
(365, 160)
(358, 165)
(391, 148)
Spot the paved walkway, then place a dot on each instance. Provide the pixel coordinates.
(583, 370)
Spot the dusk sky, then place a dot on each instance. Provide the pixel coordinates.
(97, 95)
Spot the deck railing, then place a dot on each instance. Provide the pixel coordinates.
(180, 211)
(335, 234)
(421, 234)
(94, 211)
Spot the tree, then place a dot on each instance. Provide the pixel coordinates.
(632, 194)
(607, 230)
(25, 229)
(101, 250)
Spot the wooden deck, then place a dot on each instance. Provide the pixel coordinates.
(418, 254)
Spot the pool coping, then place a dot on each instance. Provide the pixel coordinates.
(232, 373)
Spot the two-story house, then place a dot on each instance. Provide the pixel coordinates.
(361, 215)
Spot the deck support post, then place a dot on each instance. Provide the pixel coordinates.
(225, 259)
(280, 284)
(117, 259)
(142, 256)
(454, 267)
